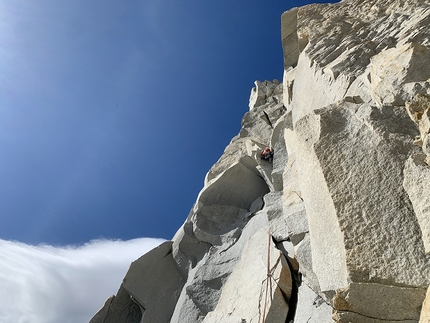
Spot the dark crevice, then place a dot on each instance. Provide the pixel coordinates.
(298, 195)
(296, 282)
(267, 119)
(141, 308)
(290, 92)
(169, 252)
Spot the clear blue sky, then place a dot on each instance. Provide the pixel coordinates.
(112, 112)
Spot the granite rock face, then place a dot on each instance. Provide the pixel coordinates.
(337, 227)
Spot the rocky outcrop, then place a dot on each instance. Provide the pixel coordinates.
(337, 227)
(230, 219)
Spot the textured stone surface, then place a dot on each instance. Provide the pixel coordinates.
(157, 300)
(425, 311)
(102, 313)
(280, 159)
(366, 199)
(265, 92)
(119, 308)
(417, 169)
(350, 317)
(238, 186)
(346, 199)
(244, 294)
(375, 54)
(385, 302)
(228, 209)
(275, 215)
(303, 253)
(362, 229)
(290, 39)
(417, 185)
(203, 289)
(419, 111)
(362, 140)
(393, 68)
(311, 307)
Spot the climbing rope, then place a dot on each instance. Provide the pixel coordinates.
(269, 277)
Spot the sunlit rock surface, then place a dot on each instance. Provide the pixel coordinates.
(337, 227)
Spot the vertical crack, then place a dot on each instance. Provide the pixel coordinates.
(296, 281)
(267, 119)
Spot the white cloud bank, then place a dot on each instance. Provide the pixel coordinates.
(45, 284)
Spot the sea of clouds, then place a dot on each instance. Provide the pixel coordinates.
(47, 284)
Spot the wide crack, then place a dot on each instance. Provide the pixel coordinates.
(296, 282)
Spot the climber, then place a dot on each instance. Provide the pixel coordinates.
(267, 154)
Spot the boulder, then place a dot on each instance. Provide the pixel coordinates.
(384, 302)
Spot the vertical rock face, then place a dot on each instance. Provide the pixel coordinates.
(358, 94)
(337, 227)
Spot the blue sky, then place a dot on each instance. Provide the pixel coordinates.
(112, 112)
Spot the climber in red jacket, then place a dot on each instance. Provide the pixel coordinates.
(267, 154)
